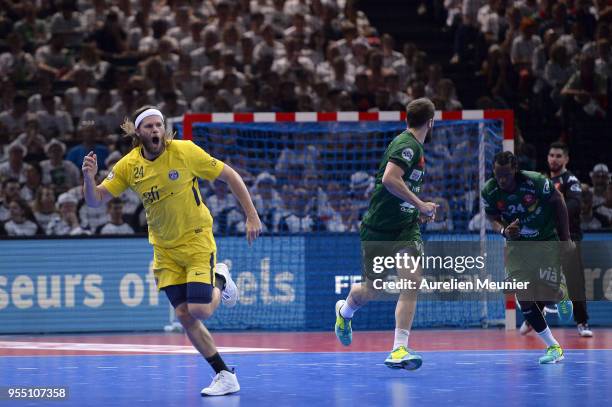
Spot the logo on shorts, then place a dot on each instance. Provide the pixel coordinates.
(173, 175)
(408, 154)
(110, 175)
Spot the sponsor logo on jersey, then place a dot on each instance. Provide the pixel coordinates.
(528, 199)
(422, 162)
(407, 154)
(528, 232)
(406, 207)
(501, 205)
(110, 175)
(416, 175)
(558, 186)
(575, 188)
(173, 175)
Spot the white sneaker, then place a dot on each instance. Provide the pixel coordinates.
(223, 383)
(229, 294)
(525, 328)
(584, 331)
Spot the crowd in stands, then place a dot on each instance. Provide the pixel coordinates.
(72, 70)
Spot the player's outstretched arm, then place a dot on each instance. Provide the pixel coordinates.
(240, 191)
(94, 195)
(392, 180)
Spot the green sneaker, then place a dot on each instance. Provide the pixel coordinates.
(565, 307)
(554, 354)
(403, 358)
(344, 331)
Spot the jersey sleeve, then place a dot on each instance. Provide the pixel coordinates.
(544, 188)
(117, 180)
(489, 202)
(202, 164)
(405, 156)
(573, 189)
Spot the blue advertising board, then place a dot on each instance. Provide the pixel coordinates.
(286, 283)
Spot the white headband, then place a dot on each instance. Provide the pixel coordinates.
(147, 113)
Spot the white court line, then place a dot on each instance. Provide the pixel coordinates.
(123, 347)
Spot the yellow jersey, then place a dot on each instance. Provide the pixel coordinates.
(168, 188)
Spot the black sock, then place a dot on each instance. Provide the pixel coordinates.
(219, 281)
(217, 363)
(533, 315)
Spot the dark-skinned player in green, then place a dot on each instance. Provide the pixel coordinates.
(531, 214)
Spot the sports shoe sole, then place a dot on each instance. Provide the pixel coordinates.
(410, 364)
(552, 362)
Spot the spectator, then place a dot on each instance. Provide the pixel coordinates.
(116, 225)
(21, 221)
(15, 167)
(55, 59)
(14, 120)
(220, 205)
(302, 153)
(605, 209)
(81, 96)
(267, 201)
(101, 115)
(53, 122)
(558, 71)
(67, 221)
(524, 46)
(361, 187)
(603, 63)
(88, 135)
(447, 95)
(588, 219)
(32, 140)
(295, 217)
(192, 42)
(585, 94)
(44, 206)
(32, 183)
(67, 23)
(61, 174)
(10, 188)
(188, 80)
(32, 30)
(16, 64)
(111, 38)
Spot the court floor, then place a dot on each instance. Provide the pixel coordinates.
(461, 367)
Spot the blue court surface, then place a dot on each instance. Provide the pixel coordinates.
(462, 378)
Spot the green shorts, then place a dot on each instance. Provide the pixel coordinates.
(538, 263)
(377, 244)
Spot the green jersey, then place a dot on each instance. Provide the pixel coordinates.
(528, 202)
(387, 212)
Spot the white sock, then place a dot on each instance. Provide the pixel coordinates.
(347, 311)
(401, 338)
(547, 337)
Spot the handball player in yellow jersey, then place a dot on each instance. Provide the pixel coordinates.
(164, 173)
